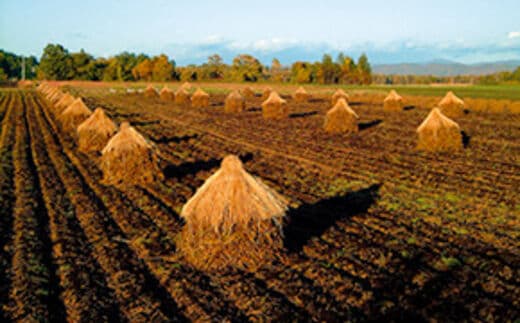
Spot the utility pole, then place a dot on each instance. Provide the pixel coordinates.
(23, 68)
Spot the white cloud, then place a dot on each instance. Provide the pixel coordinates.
(265, 45)
(513, 34)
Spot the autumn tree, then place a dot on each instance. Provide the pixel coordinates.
(162, 68)
(302, 72)
(143, 70)
(246, 68)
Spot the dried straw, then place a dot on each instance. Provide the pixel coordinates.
(341, 118)
(182, 97)
(150, 92)
(200, 99)
(235, 102)
(393, 102)
(439, 133)
(128, 159)
(275, 107)
(94, 133)
(339, 94)
(166, 94)
(74, 115)
(233, 220)
(301, 95)
(451, 106)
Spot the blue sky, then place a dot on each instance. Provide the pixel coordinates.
(189, 31)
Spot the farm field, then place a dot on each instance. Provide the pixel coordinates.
(376, 230)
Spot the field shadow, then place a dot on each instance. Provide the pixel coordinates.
(465, 139)
(353, 104)
(302, 114)
(367, 125)
(254, 109)
(216, 104)
(312, 220)
(191, 168)
(316, 100)
(175, 139)
(409, 107)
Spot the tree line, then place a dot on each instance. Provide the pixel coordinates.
(57, 63)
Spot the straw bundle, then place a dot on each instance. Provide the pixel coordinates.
(74, 115)
(94, 133)
(166, 94)
(439, 133)
(150, 92)
(266, 93)
(65, 101)
(128, 159)
(451, 106)
(186, 86)
(393, 102)
(275, 107)
(248, 93)
(182, 97)
(200, 99)
(339, 94)
(301, 95)
(233, 220)
(235, 102)
(341, 118)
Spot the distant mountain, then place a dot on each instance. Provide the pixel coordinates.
(443, 67)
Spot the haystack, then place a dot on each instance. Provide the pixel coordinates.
(54, 95)
(341, 118)
(248, 92)
(451, 106)
(266, 93)
(275, 107)
(439, 133)
(150, 92)
(166, 94)
(233, 220)
(186, 86)
(128, 159)
(200, 99)
(64, 102)
(94, 133)
(301, 95)
(182, 97)
(235, 102)
(339, 94)
(393, 102)
(74, 115)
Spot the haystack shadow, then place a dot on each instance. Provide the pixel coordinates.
(302, 114)
(254, 109)
(191, 168)
(465, 139)
(312, 220)
(367, 125)
(409, 107)
(316, 100)
(174, 139)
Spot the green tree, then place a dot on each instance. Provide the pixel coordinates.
(56, 63)
(364, 70)
(328, 71)
(3, 75)
(81, 61)
(246, 68)
(301, 72)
